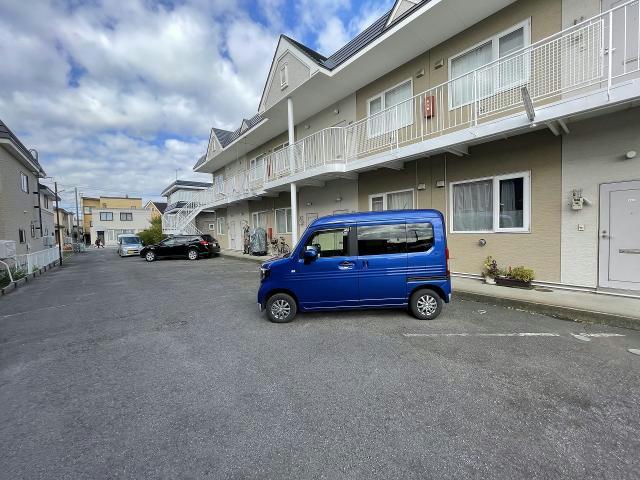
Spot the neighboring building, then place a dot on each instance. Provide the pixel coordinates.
(108, 223)
(64, 225)
(47, 212)
(156, 208)
(19, 210)
(179, 196)
(517, 119)
(89, 204)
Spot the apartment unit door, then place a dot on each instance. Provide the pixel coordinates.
(625, 37)
(233, 236)
(620, 235)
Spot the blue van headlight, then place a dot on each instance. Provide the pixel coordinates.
(264, 273)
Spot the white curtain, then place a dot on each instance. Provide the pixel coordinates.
(400, 201)
(473, 206)
(511, 213)
(377, 204)
(400, 96)
(462, 89)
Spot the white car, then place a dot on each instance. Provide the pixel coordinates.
(129, 244)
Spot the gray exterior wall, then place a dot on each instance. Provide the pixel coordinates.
(17, 207)
(593, 154)
(298, 73)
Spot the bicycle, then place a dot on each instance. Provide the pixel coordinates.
(279, 247)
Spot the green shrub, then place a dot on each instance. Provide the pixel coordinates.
(17, 274)
(490, 268)
(521, 273)
(153, 234)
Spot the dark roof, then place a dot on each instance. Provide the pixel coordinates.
(47, 191)
(225, 137)
(160, 206)
(318, 57)
(9, 135)
(187, 183)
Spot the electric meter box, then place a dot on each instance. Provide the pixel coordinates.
(7, 248)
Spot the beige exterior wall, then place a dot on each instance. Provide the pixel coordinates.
(17, 208)
(298, 72)
(105, 202)
(537, 152)
(593, 154)
(546, 19)
(223, 239)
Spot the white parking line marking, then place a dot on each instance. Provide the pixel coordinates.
(518, 334)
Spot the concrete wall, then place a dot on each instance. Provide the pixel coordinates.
(237, 216)
(593, 154)
(224, 238)
(537, 152)
(204, 221)
(17, 207)
(324, 200)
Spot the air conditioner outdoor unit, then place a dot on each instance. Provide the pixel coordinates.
(7, 248)
(47, 241)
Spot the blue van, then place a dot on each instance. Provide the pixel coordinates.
(385, 259)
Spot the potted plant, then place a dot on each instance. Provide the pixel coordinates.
(518, 277)
(490, 271)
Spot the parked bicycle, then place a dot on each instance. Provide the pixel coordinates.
(279, 247)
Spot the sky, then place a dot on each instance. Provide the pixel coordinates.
(119, 96)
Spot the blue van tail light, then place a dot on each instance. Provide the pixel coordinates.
(446, 256)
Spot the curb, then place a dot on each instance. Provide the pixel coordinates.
(247, 258)
(556, 311)
(21, 281)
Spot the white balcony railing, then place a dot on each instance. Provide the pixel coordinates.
(595, 53)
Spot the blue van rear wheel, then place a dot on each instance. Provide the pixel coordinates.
(425, 304)
(281, 308)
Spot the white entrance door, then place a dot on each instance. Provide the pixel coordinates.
(620, 235)
(233, 237)
(625, 36)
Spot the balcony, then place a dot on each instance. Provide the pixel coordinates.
(591, 65)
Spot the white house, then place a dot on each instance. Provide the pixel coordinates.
(108, 223)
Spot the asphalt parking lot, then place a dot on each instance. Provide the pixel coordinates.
(118, 368)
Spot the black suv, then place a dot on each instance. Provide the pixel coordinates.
(182, 246)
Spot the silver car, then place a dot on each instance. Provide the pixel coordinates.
(129, 244)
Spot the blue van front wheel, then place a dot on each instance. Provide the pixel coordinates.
(281, 308)
(425, 304)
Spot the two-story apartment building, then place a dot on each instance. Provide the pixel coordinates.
(180, 196)
(518, 119)
(108, 223)
(19, 194)
(64, 224)
(89, 204)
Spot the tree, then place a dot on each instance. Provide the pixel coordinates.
(153, 234)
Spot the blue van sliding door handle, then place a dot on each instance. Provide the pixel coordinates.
(346, 265)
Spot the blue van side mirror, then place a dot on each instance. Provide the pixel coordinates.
(310, 254)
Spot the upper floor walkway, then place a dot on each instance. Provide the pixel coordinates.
(580, 71)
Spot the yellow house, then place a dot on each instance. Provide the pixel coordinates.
(91, 203)
(156, 208)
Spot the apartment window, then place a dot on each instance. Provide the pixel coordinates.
(22, 235)
(284, 76)
(283, 220)
(24, 183)
(91, 223)
(496, 204)
(400, 200)
(221, 226)
(46, 201)
(87, 210)
(513, 71)
(125, 217)
(381, 120)
(106, 216)
(381, 239)
(33, 231)
(219, 183)
(133, 207)
(256, 168)
(212, 226)
(330, 243)
(259, 219)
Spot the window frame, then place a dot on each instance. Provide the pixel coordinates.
(24, 182)
(526, 203)
(220, 221)
(495, 55)
(288, 220)
(351, 249)
(106, 219)
(381, 96)
(126, 219)
(385, 202)
(284, 76)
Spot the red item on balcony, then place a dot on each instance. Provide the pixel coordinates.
(429, 106)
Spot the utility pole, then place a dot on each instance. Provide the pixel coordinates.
(55, 184)
(77, 217)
